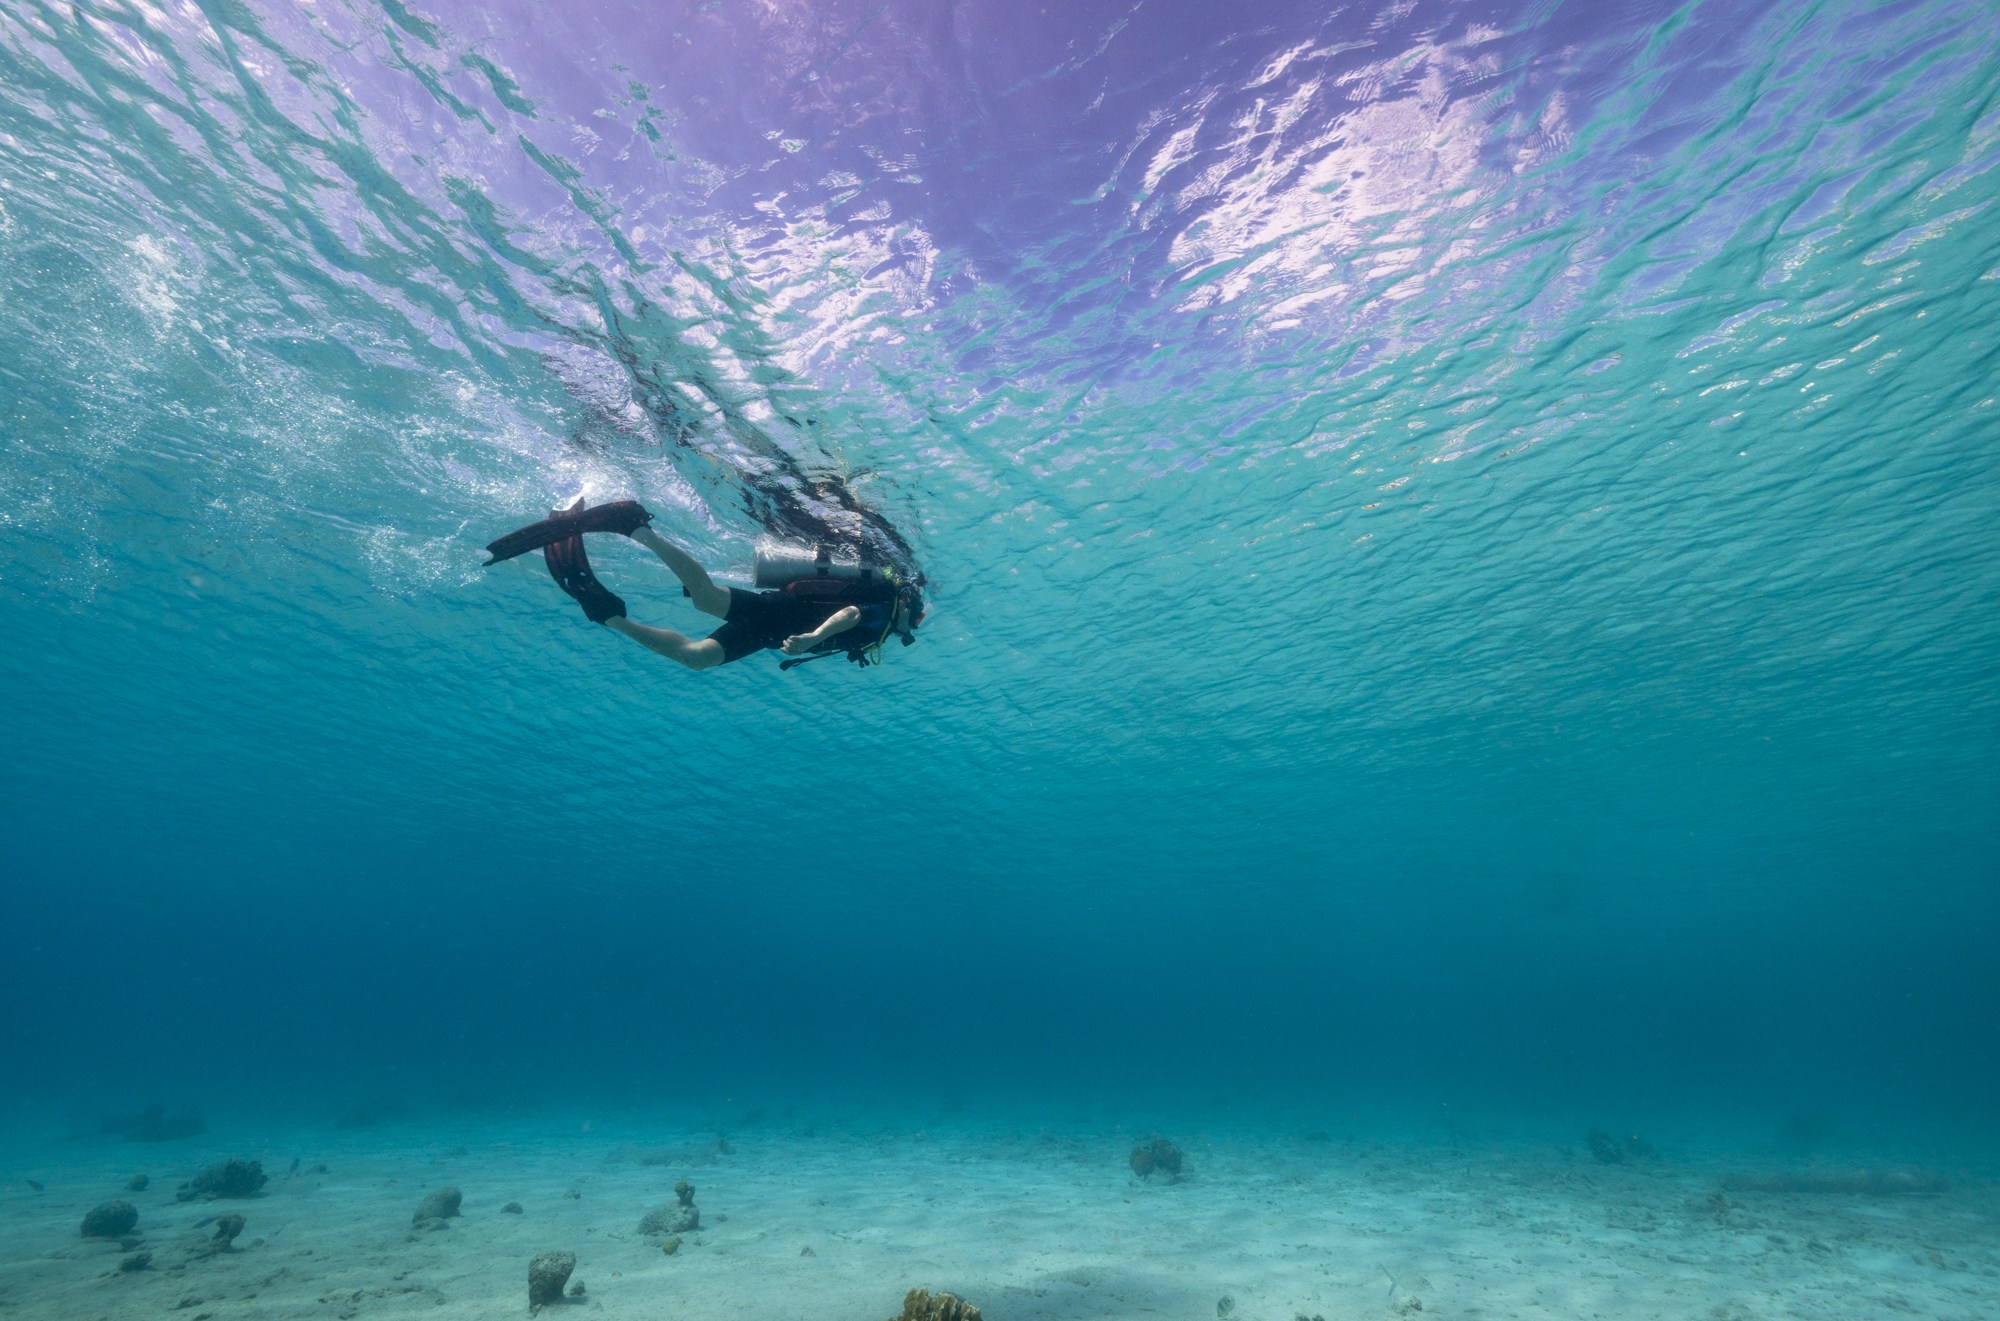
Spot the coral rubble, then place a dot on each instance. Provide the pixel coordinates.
(922, 1305)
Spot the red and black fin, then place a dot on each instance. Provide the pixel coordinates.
(570, 567)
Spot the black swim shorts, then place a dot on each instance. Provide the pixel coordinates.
(757, 620)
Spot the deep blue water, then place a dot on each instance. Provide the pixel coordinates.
(1461, 540)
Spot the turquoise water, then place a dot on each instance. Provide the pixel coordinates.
(1461, 548)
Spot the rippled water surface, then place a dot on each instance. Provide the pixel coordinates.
(1460, 535)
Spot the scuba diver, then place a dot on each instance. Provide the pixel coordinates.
(823, 605)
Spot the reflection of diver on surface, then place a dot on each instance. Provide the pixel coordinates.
(824, 604)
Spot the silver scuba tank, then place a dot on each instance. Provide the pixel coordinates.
(780, 562)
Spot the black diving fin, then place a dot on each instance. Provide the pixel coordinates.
(621, 516)
(570, 567)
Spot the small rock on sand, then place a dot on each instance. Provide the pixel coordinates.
(110, 1220)
(230, 1178)
(439, 1207)
(683, 1217)
(547, 1274)
(670, 1220)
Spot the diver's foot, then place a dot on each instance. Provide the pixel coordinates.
(570, 567)
(624, 516)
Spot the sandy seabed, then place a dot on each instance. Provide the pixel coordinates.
(834, 1222)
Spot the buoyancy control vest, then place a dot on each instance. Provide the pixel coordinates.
(822, 575)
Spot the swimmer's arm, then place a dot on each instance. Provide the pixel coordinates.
(838, 622)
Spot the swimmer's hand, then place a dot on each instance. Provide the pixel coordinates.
(798, 644)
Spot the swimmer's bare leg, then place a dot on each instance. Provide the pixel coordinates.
(707, 597)
(695, 653)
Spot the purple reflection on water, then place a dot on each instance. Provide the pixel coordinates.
(1073, 193)
(1029, 141)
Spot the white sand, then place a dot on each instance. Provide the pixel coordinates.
(1032, 1226)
